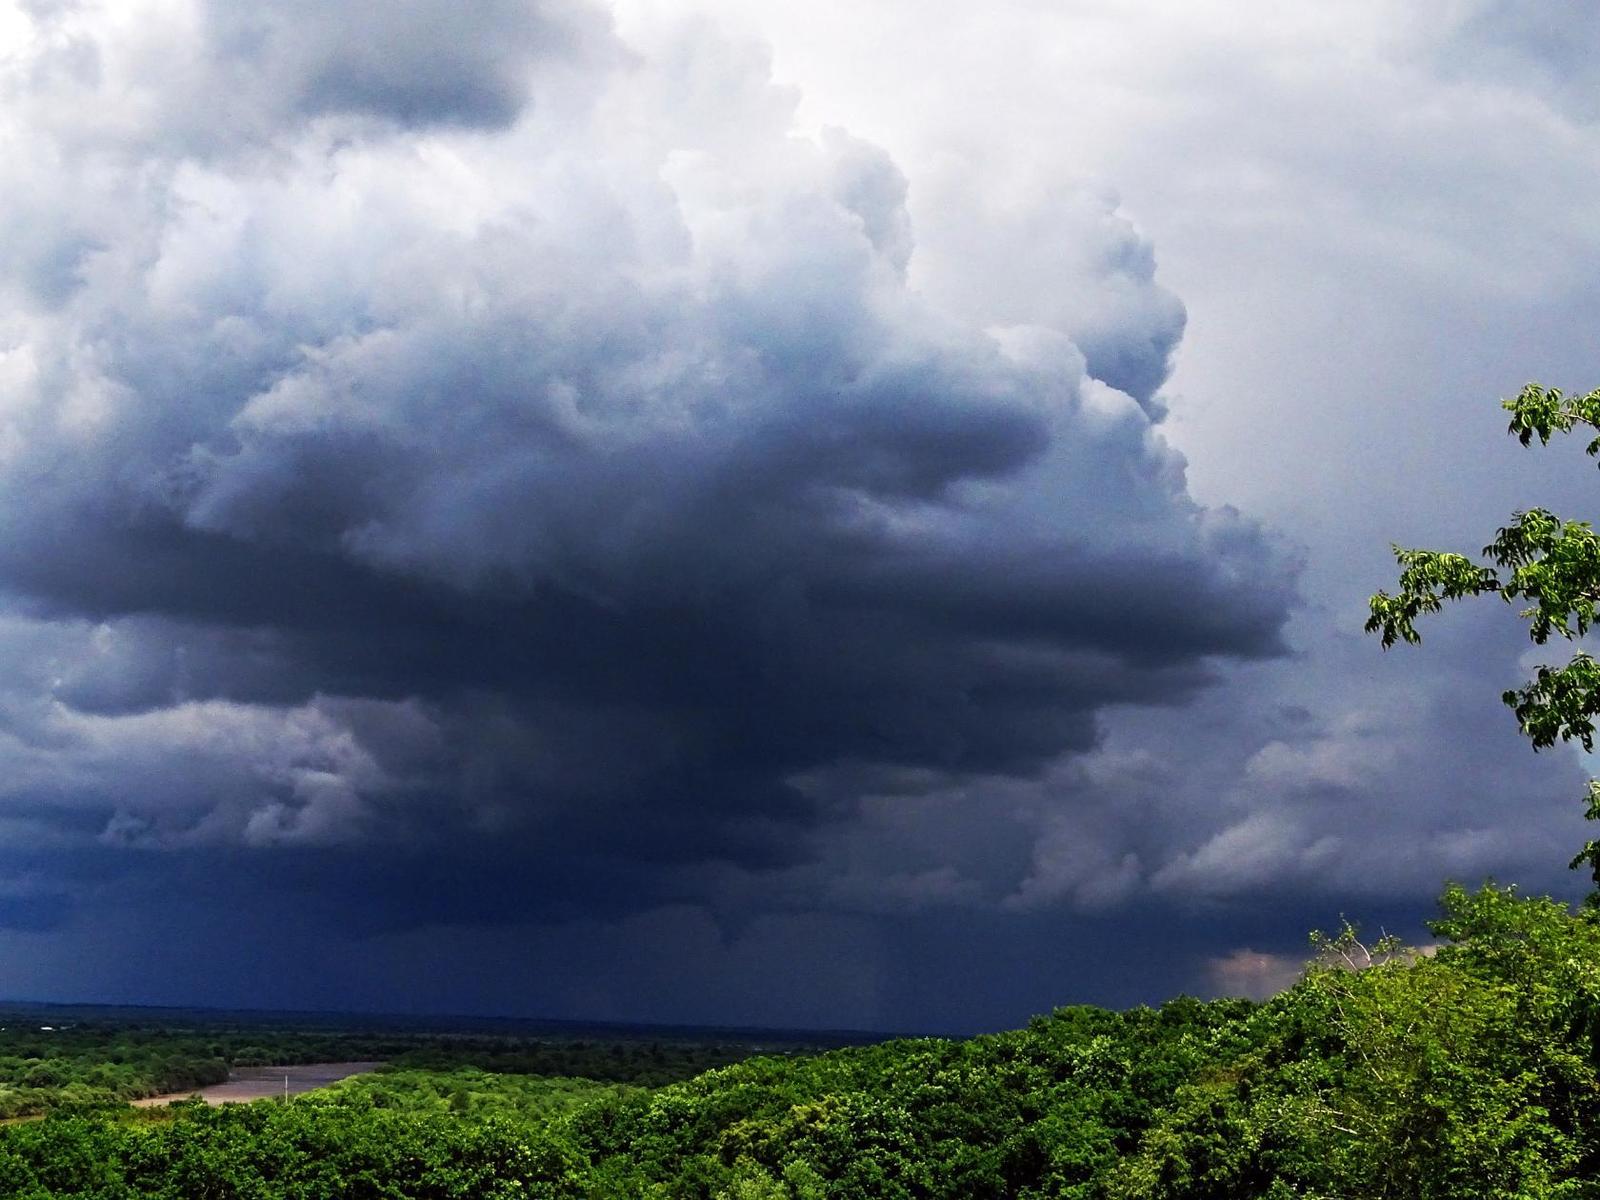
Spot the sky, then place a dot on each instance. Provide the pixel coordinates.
(767, 513)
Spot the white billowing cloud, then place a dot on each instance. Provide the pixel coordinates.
(99, 737)
(1262, 849)
(999, 263)
(333, 293)
(1069, 863)
(216, 772)
(1360, 750)
(1253, 974)
(1085, 851)
(1346, 197)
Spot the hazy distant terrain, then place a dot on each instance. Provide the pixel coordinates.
(1467, 1073)
(79, 1057)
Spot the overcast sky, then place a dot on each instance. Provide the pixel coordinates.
(791, 514)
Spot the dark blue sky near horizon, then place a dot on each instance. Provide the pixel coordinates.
(671, 512)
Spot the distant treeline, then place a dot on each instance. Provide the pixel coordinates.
(1465, 1074)
(92, 1064)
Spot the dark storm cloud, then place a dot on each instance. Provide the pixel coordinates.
(416, 62)
(214, 79)
(511, 523)
(478, 474)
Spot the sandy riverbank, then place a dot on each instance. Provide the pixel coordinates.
(261, 1083)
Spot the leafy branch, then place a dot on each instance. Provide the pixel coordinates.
(1551, 564)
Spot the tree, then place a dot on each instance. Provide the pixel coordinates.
(1550, 564)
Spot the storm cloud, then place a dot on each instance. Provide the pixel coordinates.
(585, 511)
(479, 469)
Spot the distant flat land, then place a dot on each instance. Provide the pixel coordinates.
(36, 1013)
(262, 1083)
(86, 1056)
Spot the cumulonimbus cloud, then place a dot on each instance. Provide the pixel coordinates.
(560, 437)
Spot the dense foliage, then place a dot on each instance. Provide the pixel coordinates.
(44, 1067)
(1473, 1071)
(84, 1064)
(469, 1091)
(1466, 1073)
